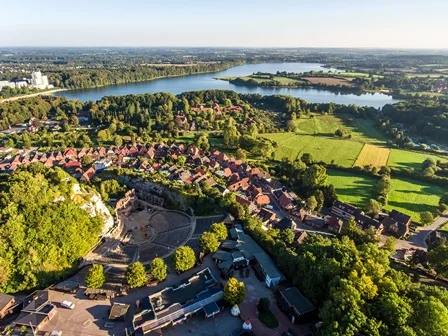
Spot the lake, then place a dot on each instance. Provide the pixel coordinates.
(181, 84)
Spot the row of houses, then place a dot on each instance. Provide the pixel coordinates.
(395, 223)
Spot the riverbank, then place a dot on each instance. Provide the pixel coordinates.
(43, 93)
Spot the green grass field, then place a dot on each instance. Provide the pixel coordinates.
(408, 159)
(412, 197)
(352, 188)
(292, 146)
(408, 196)
(444, 228)
(362, 130)
(357, 74)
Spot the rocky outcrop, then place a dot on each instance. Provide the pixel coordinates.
(92, 203)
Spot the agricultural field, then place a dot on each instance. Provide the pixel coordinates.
(408, 159)
(373, 155)
(408, 196)
(356, 75)
(330, 81)
(352, 188)
(362, 130)
(292, 146)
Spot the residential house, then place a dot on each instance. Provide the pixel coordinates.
(286, 223)
(335, 225)
(7, 303)
(397, 223)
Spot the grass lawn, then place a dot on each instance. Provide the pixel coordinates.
(362, 130)
(444, 227)
(343, 152)
(412, 197)
(268, 319)
(352, 188)
(408, 159)
(408, 196)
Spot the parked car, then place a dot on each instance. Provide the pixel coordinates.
(68, 304)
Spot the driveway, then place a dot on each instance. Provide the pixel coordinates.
(418, 238)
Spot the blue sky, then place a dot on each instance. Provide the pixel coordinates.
(252, 23)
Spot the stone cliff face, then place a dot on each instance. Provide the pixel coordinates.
(92, 203)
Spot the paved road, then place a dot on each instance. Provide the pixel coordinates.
(418, 238)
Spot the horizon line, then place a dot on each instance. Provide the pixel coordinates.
(225, 47)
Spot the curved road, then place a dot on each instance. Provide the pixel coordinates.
(418, 238)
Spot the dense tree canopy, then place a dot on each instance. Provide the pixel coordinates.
(354, 287)
(43, 232)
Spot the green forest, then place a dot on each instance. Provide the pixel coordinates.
(43, 232)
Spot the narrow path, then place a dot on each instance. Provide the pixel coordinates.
(43, 93)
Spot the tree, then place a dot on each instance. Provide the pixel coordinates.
(373, 207)
(315, 176)
(438, 259)
(330, 195)
(426, 217)
(287, 236)
(118, 140)
(307, 158)
(103, 135)
(158, 269)
(86, 160)
(95, 277)
(241, 154)
(220, 230)
(183, 258)
(263, 304)
(208, 242)
(181, 160)
(390, 245)
(311, 203)
(291, 126)
(444, 199)
(234, 291)
(136, 275)
(230, 134)
(202, 142)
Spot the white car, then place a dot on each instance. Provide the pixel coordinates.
(68, 304)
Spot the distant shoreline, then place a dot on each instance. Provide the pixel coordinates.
(43, 93)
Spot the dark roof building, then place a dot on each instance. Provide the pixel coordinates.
(174, 304)
(293, 303)
(37, 310)
(6, 303)
(286, 223)
(397, 223)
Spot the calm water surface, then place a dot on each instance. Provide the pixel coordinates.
(181, 84)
